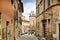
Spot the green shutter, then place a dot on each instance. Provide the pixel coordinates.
(48, 2)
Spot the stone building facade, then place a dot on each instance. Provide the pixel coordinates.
(32, 19)
(25, 25)
(48, 19)
(6, 20)
(18, 6)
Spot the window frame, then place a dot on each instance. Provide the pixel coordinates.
(49, 3)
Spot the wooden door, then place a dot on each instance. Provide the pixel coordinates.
(59, 31)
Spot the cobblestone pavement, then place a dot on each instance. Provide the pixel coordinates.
(28, 37)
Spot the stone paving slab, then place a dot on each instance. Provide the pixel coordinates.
(28, 37)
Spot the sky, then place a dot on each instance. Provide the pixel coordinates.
(29, 5)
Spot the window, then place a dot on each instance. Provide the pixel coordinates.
(39, 8)
(7, 30)
(58, 0)
(0, 26)
(48, 21)
(14, 6)
(44, 4)
(37, 11)
(7, 23)
(0, 17)
(4, 33)
(0, 31)
(19, 1)
(19, 6)
(38, 25)
(58, 14)
(48, 3)
(20, 20)
(12, 1)
(16, 23)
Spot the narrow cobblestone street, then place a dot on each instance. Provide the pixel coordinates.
(29, 19)
(28, 37)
